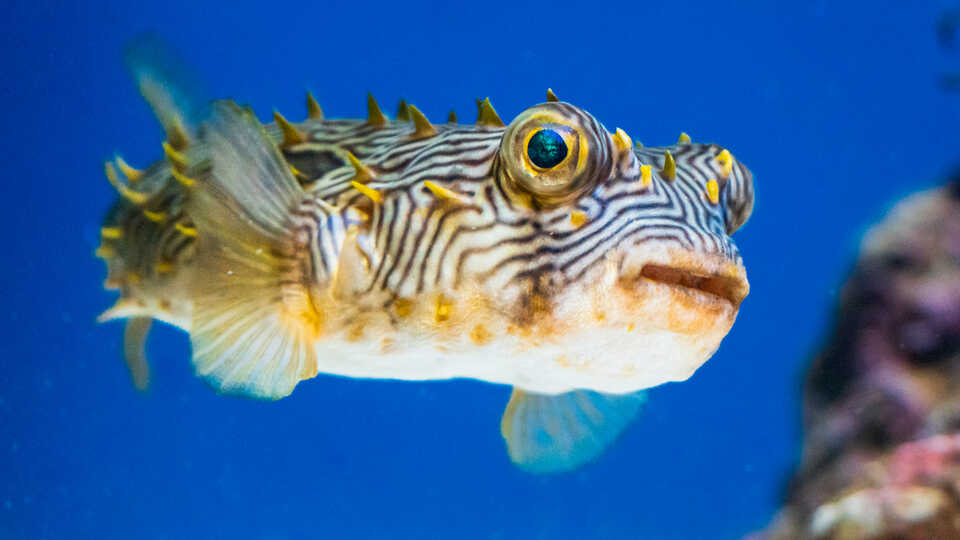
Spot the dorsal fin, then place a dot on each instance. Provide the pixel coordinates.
(173, 92)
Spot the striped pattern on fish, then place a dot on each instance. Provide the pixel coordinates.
(549, 254)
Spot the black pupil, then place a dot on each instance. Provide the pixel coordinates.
(546, 149)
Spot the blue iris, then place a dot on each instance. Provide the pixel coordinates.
(546, 149)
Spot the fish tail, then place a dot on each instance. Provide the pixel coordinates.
(146, 241)
(253, 287)
(144, 258)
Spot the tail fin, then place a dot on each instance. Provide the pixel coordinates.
(558, 433)
(254, 319)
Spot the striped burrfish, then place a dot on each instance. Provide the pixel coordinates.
(549, 254)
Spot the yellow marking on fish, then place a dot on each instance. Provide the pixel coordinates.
(105, 252)
(422, 128)
(669, 170)
(314, 112)
(184, 180)
(725, 160)
(479, 335)
(362, 173)
(683, 138)
(134, 278)
(646, 175)
(291, 135)
(163, 267)
(578, 218)
(133, 196)
(375, 116)
(132, 174)
(185, 230)
(175, 157)
(355, 332)
(112, 233)
(177, 135)
(713, 191)
(403, 112)
(488, 115)
(156, 217)
(371, 193)
(443, 193)
(402, 307)
(443, 308)
(357, 214)
(622, 140)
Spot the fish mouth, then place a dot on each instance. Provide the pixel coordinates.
(732, 289)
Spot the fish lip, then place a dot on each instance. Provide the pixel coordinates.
(732, 289)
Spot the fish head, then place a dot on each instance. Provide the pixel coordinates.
(615, 259)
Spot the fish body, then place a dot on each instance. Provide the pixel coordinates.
(549, 254)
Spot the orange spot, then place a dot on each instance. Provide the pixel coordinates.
(443, 309)
(300, 313)
(480, 335)
(403, 307)
(355, 332)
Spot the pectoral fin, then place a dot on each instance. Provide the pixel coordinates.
(557, 433)
(254, 319)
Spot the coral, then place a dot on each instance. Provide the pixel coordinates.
(881, 452)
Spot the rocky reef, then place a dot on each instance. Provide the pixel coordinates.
(881, 450)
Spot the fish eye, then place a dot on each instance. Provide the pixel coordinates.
(553, 153)
(546, 149)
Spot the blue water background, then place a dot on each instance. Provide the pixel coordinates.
(833, 106)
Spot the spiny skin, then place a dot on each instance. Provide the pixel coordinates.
(459, 158)
(505, 263)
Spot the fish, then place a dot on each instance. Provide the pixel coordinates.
(548, 254)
